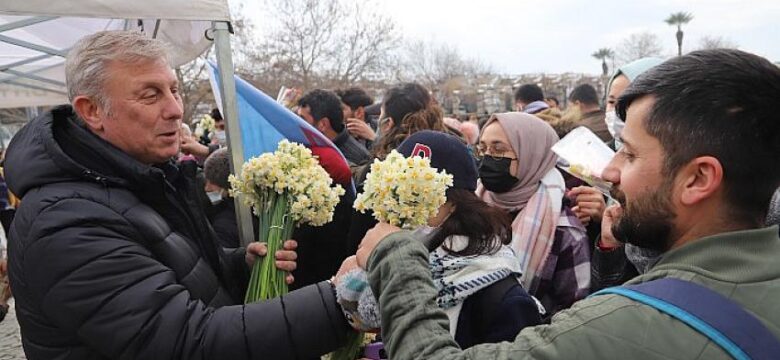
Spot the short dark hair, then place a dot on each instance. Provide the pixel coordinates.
(529, 93)
(585, 94)
(216, 168)
(216, 115)
(721, 103)
(355, 97)
(324, 104)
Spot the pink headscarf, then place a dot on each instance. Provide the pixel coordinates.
(531, 139)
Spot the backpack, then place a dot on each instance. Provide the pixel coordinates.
(723, 321)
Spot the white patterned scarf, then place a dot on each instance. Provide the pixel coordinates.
(458, 277)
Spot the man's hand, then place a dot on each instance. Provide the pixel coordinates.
(589, 203)
(191, 146)
(360, 129)
(611, 216)
(285, 258)
(371, 240)
(348, 265)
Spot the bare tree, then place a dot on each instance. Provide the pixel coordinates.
(305, 35)
(434, 64)
(716, 42)
(194, 85)
(639, 45)
(314, 43)
(363, 45)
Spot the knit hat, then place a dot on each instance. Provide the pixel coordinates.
(216, 169)
(447, 153)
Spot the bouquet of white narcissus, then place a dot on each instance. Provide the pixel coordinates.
(206, 124)
(404, 192)
(285, 188)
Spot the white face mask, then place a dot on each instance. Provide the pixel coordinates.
(615, 126)
(221, 137)
(214, 196)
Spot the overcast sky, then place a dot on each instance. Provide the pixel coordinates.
(521, 36)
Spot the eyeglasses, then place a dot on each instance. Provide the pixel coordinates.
(495, 151)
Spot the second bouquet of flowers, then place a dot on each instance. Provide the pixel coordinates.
(400, 191)
(285, 188)
(404, 192)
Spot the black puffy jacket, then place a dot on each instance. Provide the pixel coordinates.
(109, 259)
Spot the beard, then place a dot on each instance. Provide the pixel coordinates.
(647, 220)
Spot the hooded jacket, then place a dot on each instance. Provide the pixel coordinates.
(110, 258)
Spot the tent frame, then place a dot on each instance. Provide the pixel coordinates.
(221, 31)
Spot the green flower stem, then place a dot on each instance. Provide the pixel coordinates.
(276, 226)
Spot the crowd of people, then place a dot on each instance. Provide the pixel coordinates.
(125, 243)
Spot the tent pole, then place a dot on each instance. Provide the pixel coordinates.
(229, 106)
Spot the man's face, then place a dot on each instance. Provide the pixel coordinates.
(220, 125)
(576, 106)
(615, 90)
(305, 113)
(348, 113)
(641, 187)
(145, 110)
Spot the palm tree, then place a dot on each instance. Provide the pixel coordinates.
(679, 19)
(603, 54)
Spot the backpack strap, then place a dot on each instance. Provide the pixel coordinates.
(723, 321)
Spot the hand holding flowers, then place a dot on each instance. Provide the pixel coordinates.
(285, 189)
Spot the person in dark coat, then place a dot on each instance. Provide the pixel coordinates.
(111, 256)
(216, 170)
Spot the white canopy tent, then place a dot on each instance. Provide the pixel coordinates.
(35, 36)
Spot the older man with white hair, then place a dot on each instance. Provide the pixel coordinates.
(110, 253)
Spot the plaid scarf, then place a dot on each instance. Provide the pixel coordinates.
(533, 229)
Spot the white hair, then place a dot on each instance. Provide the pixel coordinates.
(86, 66)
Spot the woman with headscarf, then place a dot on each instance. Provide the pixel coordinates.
(610, 264)
(617, 84)
(517, 174)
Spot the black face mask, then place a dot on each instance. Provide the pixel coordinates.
(495, 176)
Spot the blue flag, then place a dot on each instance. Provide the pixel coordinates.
(264, 122)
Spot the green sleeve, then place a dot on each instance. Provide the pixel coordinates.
(413, 326)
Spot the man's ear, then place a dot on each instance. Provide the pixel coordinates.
(701, 178)
(89, 111)
(323, 125)
(360, 113)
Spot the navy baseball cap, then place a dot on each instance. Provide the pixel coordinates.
(446, 152)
